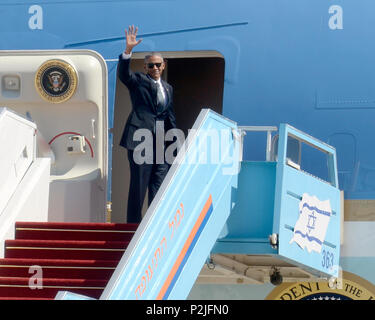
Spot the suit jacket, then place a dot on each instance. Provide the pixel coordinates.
(143, 95)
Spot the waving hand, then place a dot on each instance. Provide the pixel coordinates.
(131, 39)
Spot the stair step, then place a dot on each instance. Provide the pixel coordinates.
(24, 298)
(76, 257)
(52, 282)
(57, 268)
(65, 249)
(48, 253)
(66, 244)
(79, 225)
(75, 231)
(59, 262)
(22, 286)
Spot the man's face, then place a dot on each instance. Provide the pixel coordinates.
(154, 67)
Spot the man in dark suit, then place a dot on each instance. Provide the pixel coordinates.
(152, 106)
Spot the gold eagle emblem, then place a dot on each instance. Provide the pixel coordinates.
(56, 81)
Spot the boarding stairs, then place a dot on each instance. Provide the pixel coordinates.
(219, 209)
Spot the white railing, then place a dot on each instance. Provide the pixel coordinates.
(267, 129)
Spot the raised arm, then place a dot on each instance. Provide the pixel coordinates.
(124, 72)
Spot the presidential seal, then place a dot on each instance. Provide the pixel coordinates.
(350, 287)
(56, 81)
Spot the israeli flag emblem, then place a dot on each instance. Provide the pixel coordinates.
(311, 227)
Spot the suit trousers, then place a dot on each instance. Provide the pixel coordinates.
(143, 176)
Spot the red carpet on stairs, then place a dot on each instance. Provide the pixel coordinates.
(47, 257)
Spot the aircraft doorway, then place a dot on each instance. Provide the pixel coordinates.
(198, 82)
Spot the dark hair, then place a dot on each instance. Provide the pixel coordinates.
(148, 56)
